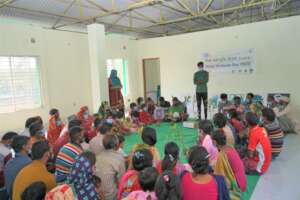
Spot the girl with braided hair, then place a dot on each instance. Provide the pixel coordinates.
(171, 160)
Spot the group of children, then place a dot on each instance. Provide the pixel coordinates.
(70, 160)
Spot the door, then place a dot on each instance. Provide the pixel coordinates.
(151, 72)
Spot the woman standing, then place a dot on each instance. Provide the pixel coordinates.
(115, 95)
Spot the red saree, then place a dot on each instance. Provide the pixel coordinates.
(87, 123)
(53, 130)
(115, 96)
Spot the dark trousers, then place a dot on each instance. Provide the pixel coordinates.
(201, 96)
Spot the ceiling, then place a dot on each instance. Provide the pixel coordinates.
(146, 18)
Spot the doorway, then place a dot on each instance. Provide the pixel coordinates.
(151, 73)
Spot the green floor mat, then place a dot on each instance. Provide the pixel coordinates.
(185, 138)
(251, 183)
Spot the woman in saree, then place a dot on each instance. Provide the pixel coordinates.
(230, 166)
(115, 95)
(55, 126)
(87, 121)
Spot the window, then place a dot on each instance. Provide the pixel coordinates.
(19, 84)
(121, 66)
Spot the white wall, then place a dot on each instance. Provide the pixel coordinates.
(64, 63)
(277, 56)
(64, 57)
(152, 72)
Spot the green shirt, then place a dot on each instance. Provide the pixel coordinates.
(180, 108)
(203, 76)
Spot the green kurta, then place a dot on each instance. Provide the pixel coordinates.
(203, 76)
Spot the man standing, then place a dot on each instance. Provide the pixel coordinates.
(201, 78)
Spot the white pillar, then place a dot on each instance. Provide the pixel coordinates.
(98, 70)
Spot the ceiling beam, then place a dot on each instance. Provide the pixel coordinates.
(81, 9)
(64, 13)
(32, 11)
(152, 20)
(147, 18)
(223, 7)
(99, 6)
(186, 7)
(213, 12)
(133, 29)
(282, 5)
(6, 2)
(102, 8)
(207, 6)
(115, 22)
(130, 7)
(184, 12)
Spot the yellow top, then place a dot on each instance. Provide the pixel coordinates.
(36, 171)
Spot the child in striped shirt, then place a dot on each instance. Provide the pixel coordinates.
(274, 131)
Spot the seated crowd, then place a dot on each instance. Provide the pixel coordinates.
(84, 158)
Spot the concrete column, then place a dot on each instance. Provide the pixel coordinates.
(98, 69)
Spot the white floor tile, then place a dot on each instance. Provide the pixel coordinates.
(282, 180)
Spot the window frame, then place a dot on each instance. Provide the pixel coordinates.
(40, 81)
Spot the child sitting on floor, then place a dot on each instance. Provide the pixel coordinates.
(145, 117)
(147, 180)
(159, 113)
